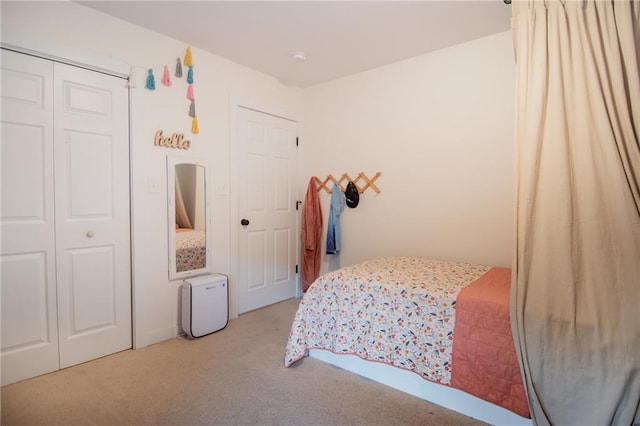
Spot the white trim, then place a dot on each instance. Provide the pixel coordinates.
(234, 104)
(46, 50)
(140, 337)
(172, 161)
(162, 334)
(411, 383)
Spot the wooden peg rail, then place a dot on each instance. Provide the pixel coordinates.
(327, 183)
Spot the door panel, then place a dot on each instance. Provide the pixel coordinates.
(24, 167)
(89, 179)
(267, 246)
(27, 264)
(92, 289)
(92, 214)
(256, 259)
(29, 329)
(281, 247)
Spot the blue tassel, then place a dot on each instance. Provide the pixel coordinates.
(190, 75)
(151, 81)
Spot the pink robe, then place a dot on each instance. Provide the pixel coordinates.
(311, 236)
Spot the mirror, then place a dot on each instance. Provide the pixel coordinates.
(189, 217)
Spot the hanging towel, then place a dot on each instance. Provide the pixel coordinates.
(333, 228)
(311, 236)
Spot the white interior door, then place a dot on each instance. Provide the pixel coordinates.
(92, 214)
(266, 200)
(27, 263)
(65, 277)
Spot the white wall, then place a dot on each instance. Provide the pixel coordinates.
(439, 127)
(215, 81)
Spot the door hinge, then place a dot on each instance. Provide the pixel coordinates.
(296, 141)
(298, 204)
(296, 269)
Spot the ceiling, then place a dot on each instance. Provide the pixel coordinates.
(339, 38)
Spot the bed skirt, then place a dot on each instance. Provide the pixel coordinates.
(413, 384)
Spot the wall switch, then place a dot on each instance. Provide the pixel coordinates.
(222, 189)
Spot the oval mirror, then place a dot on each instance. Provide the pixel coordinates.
(189, 217)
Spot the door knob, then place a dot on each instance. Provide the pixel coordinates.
(244, 222)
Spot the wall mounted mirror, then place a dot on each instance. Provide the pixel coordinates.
(189, 217)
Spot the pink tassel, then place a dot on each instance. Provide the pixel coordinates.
(166, 80)
(190, 92)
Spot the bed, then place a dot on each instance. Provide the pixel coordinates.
(191, 250)
(439, 330)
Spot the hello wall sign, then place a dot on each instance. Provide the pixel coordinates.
(176, 140)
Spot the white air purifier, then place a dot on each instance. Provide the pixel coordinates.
(204, 305)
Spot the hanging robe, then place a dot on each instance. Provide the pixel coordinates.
(338, 202)
(311, 236)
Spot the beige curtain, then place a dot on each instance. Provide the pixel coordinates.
(576, 293)
(182, 217)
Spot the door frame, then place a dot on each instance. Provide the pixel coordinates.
(234, 264)
(110, 66)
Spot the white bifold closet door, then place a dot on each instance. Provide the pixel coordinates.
(65, 261)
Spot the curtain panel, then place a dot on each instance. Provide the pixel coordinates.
(575, 301)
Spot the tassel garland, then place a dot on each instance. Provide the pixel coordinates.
(166, 80)
(194, 126)
(188, 61)
(178, 68)
(151, 82)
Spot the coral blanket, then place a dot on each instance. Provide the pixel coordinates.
(484, 361)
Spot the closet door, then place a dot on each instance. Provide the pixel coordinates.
(65, 259)
(27, 262)
(92, 214)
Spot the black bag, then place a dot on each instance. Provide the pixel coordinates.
(352, 196)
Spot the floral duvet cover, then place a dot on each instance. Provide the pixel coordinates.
(395, 310)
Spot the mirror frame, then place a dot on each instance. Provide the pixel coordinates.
(172, 162)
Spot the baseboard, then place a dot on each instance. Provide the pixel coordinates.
(161, 334)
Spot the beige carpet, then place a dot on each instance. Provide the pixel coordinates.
(232, 377)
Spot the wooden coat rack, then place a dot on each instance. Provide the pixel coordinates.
(327, 183)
